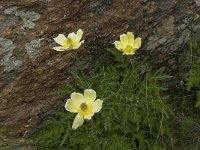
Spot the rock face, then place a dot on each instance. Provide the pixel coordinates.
(30, 69)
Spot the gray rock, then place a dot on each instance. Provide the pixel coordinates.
(144, 1)
(197, 27)
(174, 45)
(167, 28)
(155, 41)
(162, 40)
(45, 1)
(1, 7)
(185, 36)
(32, 48)
(10, 10)
(166, 4)
(27, 16)
(107, 2)
(9, 21)
(27, 24)
(197, 2)
(7, 45)
(8, 60)
(182, 27)
(196, 34)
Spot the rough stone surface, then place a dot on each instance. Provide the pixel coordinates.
(197, 2)
(10, 10)
(168, 27)
(33, 48)
(30, 69)
(8, 61)
(27, 16)
(45, 1)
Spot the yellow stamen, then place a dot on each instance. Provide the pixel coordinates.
(128, 48)
(85, 109)
(67, 43)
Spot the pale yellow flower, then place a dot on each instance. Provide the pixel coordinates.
(127, 44)
(85, 105)
(73, 41)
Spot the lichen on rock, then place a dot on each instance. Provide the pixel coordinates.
(8, 60)
(197, 2)
(10, 10)
(28, 17)
(32, 49)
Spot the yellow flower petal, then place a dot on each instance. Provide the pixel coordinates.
(130, 38)
(97, 105)
(89, 96)
(89, 116)
(118, 45)
(60, 39)
(72, 105)
(124, 39)
(77, 97)
(79, 34)
(78, 45)
(78, 121)
(137, 43)
(59, 48)
(73, 37)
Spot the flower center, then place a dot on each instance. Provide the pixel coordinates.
(128, 48)
(68, 43)
(84, 107)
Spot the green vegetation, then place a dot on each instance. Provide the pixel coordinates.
(138, 112)
(193, 79)
(186, 121)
